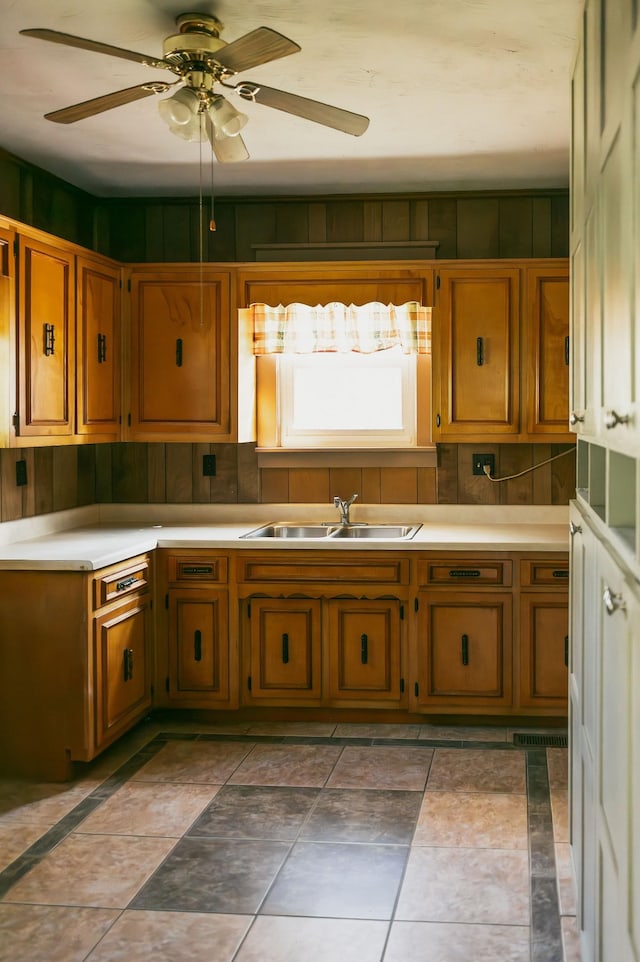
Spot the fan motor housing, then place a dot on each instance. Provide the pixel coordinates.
(197, 41)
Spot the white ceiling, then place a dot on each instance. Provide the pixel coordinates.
(462, 94)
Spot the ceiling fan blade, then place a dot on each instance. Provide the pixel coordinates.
(228, 150)
(69, 115)
(259, 46)
(320, 113)
(68, 39)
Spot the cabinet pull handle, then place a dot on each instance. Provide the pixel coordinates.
(49, 339)
(612, 601)
(465, 649)
(480, 351)
(612, 418)
(574, 418)
(566, 350)
(566, 651)
(574, 528)
(561, 573)
(126, 583)
(364, 649)
(102, 348)
(179, 352)
(127, 662)
(285, 649)
(464, 573)
(197, 569)
(197, 645)
(438, 420)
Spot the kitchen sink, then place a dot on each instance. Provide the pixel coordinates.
(291, 531)
(386, 532)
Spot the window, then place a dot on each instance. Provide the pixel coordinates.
(347, 400)
(342, 377)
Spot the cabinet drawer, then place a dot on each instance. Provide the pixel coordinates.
(548, 573)
(474, 573)
(118, 582)
(388, 570)
(198, 569)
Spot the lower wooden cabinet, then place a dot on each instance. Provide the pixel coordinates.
(75, 654)
(426, 632)
(364, 649)
(123, 643)
(544, 650)
(196, 660)
(198, 647)
(283, 658)
(464, 649)
(323, 651)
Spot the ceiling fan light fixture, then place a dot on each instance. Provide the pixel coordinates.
(226, 120)
(180, 108)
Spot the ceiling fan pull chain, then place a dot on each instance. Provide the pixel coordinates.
(212, 221)
(200, 224)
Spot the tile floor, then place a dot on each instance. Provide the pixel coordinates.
(289, 842)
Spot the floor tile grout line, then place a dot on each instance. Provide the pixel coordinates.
(392, 917)
(535, 882)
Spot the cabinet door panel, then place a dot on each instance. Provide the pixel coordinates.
(476, 326)
(464, 649)
(548, 351)
(46, 351)
(544, 650)
(122, 668)
(285, 658)
(180, 353)
(364, 651)
(98, 372)
(199, 646)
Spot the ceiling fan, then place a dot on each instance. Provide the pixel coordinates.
(202, 61)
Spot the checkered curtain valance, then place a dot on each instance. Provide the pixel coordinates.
(340, 328)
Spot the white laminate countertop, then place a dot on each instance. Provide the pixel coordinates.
(87, 539)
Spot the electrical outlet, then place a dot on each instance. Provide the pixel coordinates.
(209, 465)
(479, 462)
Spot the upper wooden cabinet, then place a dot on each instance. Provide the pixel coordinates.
(180, 379)
(98, 348)
(46, 339)
(475, 352)
(501, 352)
(61, 347)
(546, 349)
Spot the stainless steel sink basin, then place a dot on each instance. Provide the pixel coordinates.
(291, 531)
(387, 532)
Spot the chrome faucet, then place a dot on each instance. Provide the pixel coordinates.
(343, 508)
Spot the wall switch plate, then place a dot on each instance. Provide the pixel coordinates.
(209, 465)
(479, 461)
(21, 473)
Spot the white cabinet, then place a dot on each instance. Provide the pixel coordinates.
(605, 745)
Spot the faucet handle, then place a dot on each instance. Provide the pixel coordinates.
(337, 501)
(354, 497)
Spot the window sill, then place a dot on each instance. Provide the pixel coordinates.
(423, 457)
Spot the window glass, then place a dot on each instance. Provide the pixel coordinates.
(347, 400)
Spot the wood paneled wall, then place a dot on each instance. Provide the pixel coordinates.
(469, 225)
(35, 197)
(466, 224)
(552, 483)
(67, 477)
